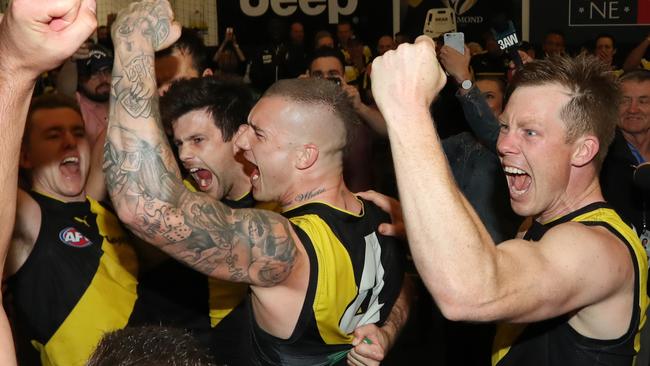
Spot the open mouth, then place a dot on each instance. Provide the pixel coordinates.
(70, 166)
(202, 177)
(518, 181)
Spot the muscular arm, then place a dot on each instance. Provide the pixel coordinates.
(467, 275)
(253, 246)
(35, 36)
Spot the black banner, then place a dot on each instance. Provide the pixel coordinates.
(608, 12)
(249, 18)
(473, 17)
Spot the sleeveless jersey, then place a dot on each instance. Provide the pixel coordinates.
(355, 277)
(79, 281)
(554, 341)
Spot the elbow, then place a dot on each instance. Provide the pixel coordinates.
(460, 304)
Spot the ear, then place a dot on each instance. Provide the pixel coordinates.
(307, 156)
(207, 72)
(585, 149)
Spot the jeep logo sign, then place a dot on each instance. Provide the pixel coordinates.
(286, 8)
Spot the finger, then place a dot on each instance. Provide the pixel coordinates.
(354, 358)
(378, 199)
(83, 25)
(425, 40)
(394, 230)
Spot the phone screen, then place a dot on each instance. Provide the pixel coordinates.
(455, 40)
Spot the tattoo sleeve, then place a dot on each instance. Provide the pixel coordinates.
(144, 182)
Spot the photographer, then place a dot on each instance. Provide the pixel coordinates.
(229, 59)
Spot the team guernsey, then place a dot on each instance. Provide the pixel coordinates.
(355, 277)
(79, 281)
(554, 341)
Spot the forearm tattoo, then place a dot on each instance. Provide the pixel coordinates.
(144, 182)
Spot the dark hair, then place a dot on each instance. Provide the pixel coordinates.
(228, 103)
(605, 35)
(555, 31)
(48, 101)
(149, 346)
(499, 80)
(191, 43)
(322, 52)
(317, 91)
(639, 76)
(593, 91)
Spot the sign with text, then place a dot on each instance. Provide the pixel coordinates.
(473, 17)
(249, 18)
(609, 12)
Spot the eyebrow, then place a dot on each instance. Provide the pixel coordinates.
(256, 128)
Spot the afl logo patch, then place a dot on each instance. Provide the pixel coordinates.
(70, 236)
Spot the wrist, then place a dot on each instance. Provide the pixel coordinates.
(462, 77)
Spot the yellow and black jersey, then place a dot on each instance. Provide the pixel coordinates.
(554, 341)
(355, 277)
(79, 281)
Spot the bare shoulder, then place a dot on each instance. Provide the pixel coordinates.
(25, 233)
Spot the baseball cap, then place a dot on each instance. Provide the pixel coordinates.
(98, 59)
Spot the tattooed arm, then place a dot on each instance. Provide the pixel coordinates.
(143, 180)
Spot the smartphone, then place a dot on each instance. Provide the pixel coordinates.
(229, 30)
(455, 40)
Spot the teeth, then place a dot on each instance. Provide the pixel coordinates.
(71, 159)
(513, 170)
(255, 177)
(194, 170)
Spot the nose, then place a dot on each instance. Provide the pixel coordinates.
(242, 141)
(506, 143)
(633, 107)
(185, 153)
(69, 140)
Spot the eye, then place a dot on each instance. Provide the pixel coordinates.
(178, 143)
(80, 133)
(503, 127)
(52, 135)
(197, 140)
(530, 132)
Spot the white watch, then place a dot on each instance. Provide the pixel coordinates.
(466, 84)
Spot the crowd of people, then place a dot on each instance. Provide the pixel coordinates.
(166, 205)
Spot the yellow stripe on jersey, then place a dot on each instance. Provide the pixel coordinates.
(336, 284)
(611, 217)
(107, 303)
(507, 334)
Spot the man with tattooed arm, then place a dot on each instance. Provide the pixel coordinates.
(322, 279)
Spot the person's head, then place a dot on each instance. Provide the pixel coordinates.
(149, 346)
(104, 36)
(323, 39)
(493, 88)
(553, 43)
(634, 110)
(186, 58)
(385, 43)
(55, 154)
(344, 31)
(401, 37)
(490, 44)
(327, 62)
(297, 33)
(276, 30)
(556, 128)
(94, 74)
(605, 48)
(205, 115)
(297, 133)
